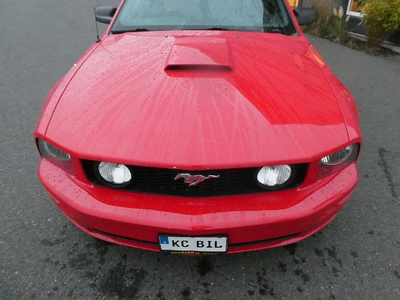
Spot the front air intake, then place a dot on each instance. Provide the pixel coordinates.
(200, 68)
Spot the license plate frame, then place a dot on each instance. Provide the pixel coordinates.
(193, 244)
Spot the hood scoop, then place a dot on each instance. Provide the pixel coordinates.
(199, 54)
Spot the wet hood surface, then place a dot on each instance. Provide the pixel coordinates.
(199, 100)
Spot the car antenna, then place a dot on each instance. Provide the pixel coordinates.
(97, 28)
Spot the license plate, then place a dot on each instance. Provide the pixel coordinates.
(193, 245)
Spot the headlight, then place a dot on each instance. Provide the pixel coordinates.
(55, 155)
(338, 157)
(50, 151)
(274, 176)
(114, 174)
(338, 160)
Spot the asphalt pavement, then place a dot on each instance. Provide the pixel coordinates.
(44, 256)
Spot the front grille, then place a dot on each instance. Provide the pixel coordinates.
(161, 181)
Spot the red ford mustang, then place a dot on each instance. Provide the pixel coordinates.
(194, 126)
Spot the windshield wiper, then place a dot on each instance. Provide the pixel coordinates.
(217, 28)
(139, 29)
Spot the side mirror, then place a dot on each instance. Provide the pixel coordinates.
(305, 15)
(104, 14)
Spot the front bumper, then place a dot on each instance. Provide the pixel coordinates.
(251, 222)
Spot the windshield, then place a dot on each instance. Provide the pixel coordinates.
(245, 15)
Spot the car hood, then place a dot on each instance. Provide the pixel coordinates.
(199, 100)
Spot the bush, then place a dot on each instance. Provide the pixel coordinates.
(381, 18)
(339, 25)
(330, 23)
(322, 25)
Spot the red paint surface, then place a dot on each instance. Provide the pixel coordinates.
(275, 106)
(245, 219)
(231, 99)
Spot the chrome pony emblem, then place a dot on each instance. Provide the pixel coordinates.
(193, 180)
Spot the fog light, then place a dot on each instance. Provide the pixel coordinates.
(114, 174)
(273, 176)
